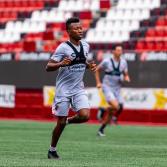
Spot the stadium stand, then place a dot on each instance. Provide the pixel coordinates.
(39, 25)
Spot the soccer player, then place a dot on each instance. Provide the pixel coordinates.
(116, 71)
(70, 58)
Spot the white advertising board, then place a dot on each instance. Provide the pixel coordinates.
(134, 98)
(7, 96)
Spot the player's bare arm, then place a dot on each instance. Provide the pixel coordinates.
(126, 77)
(97, 77)
(92, 66)
(53, 65)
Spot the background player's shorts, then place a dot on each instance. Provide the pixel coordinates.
(112, 94)
(62, 104)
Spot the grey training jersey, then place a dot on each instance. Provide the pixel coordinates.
(113, 81)
(70, 78)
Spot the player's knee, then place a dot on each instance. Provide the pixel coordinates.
(115, 106)
(85, 116)
(118, 107)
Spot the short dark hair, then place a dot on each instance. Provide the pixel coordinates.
(71, 20)
(116, 45)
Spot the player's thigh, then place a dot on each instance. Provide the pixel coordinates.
(80, 103)
(61, 106)
(119, 97)
(111, 99)
(114, 104)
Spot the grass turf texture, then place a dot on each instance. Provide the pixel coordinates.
(26, 144)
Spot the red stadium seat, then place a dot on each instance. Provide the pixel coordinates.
(140, 46)
(2, 4)
(159, 33)
(150, 46)
(105, 4)
(48, 35)
(29, 46)
(150, 32)
(50, 46)
(159, 45)
(33, 36)
(165, 33)
(165, 45)
(85, 15)
(160, 22)
(86, 24)
(54, 26)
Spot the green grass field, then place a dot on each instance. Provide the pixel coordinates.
(26, 144)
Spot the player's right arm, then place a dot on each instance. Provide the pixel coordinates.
(101, 66)
(97, 77)
(54, 65)
(58, 59)
(125, 73)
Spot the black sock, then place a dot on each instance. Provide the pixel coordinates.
(101, 129)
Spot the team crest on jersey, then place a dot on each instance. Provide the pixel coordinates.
(73, 55)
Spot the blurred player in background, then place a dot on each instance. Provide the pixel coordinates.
(116, 71)
(70, 59)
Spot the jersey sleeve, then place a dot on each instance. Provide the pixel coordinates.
(86, 45)
(103, 64)
(59, 53)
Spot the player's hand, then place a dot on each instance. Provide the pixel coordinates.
(92, 66)
(65, 62)
(99, 85)
(127, 79)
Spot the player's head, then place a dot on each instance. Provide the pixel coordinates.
(74, 28)
(117, 50)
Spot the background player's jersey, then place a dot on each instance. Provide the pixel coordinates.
(113, 81)
(70, 78)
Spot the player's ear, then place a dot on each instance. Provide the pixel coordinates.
(68, 29)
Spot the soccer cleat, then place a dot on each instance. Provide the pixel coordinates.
(101, 134)
(53, 155)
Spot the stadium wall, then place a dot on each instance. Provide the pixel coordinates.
(44, 113)
(144, 72)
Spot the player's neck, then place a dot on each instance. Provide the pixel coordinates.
(116, 58)
(74, 41)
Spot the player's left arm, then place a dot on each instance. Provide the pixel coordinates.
(125, 73)
(90, 64)
(126, 76)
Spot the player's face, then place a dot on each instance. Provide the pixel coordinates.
(76, 31)
(118, 51)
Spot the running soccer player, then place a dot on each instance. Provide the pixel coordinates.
(70, 59)
(116, 71)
